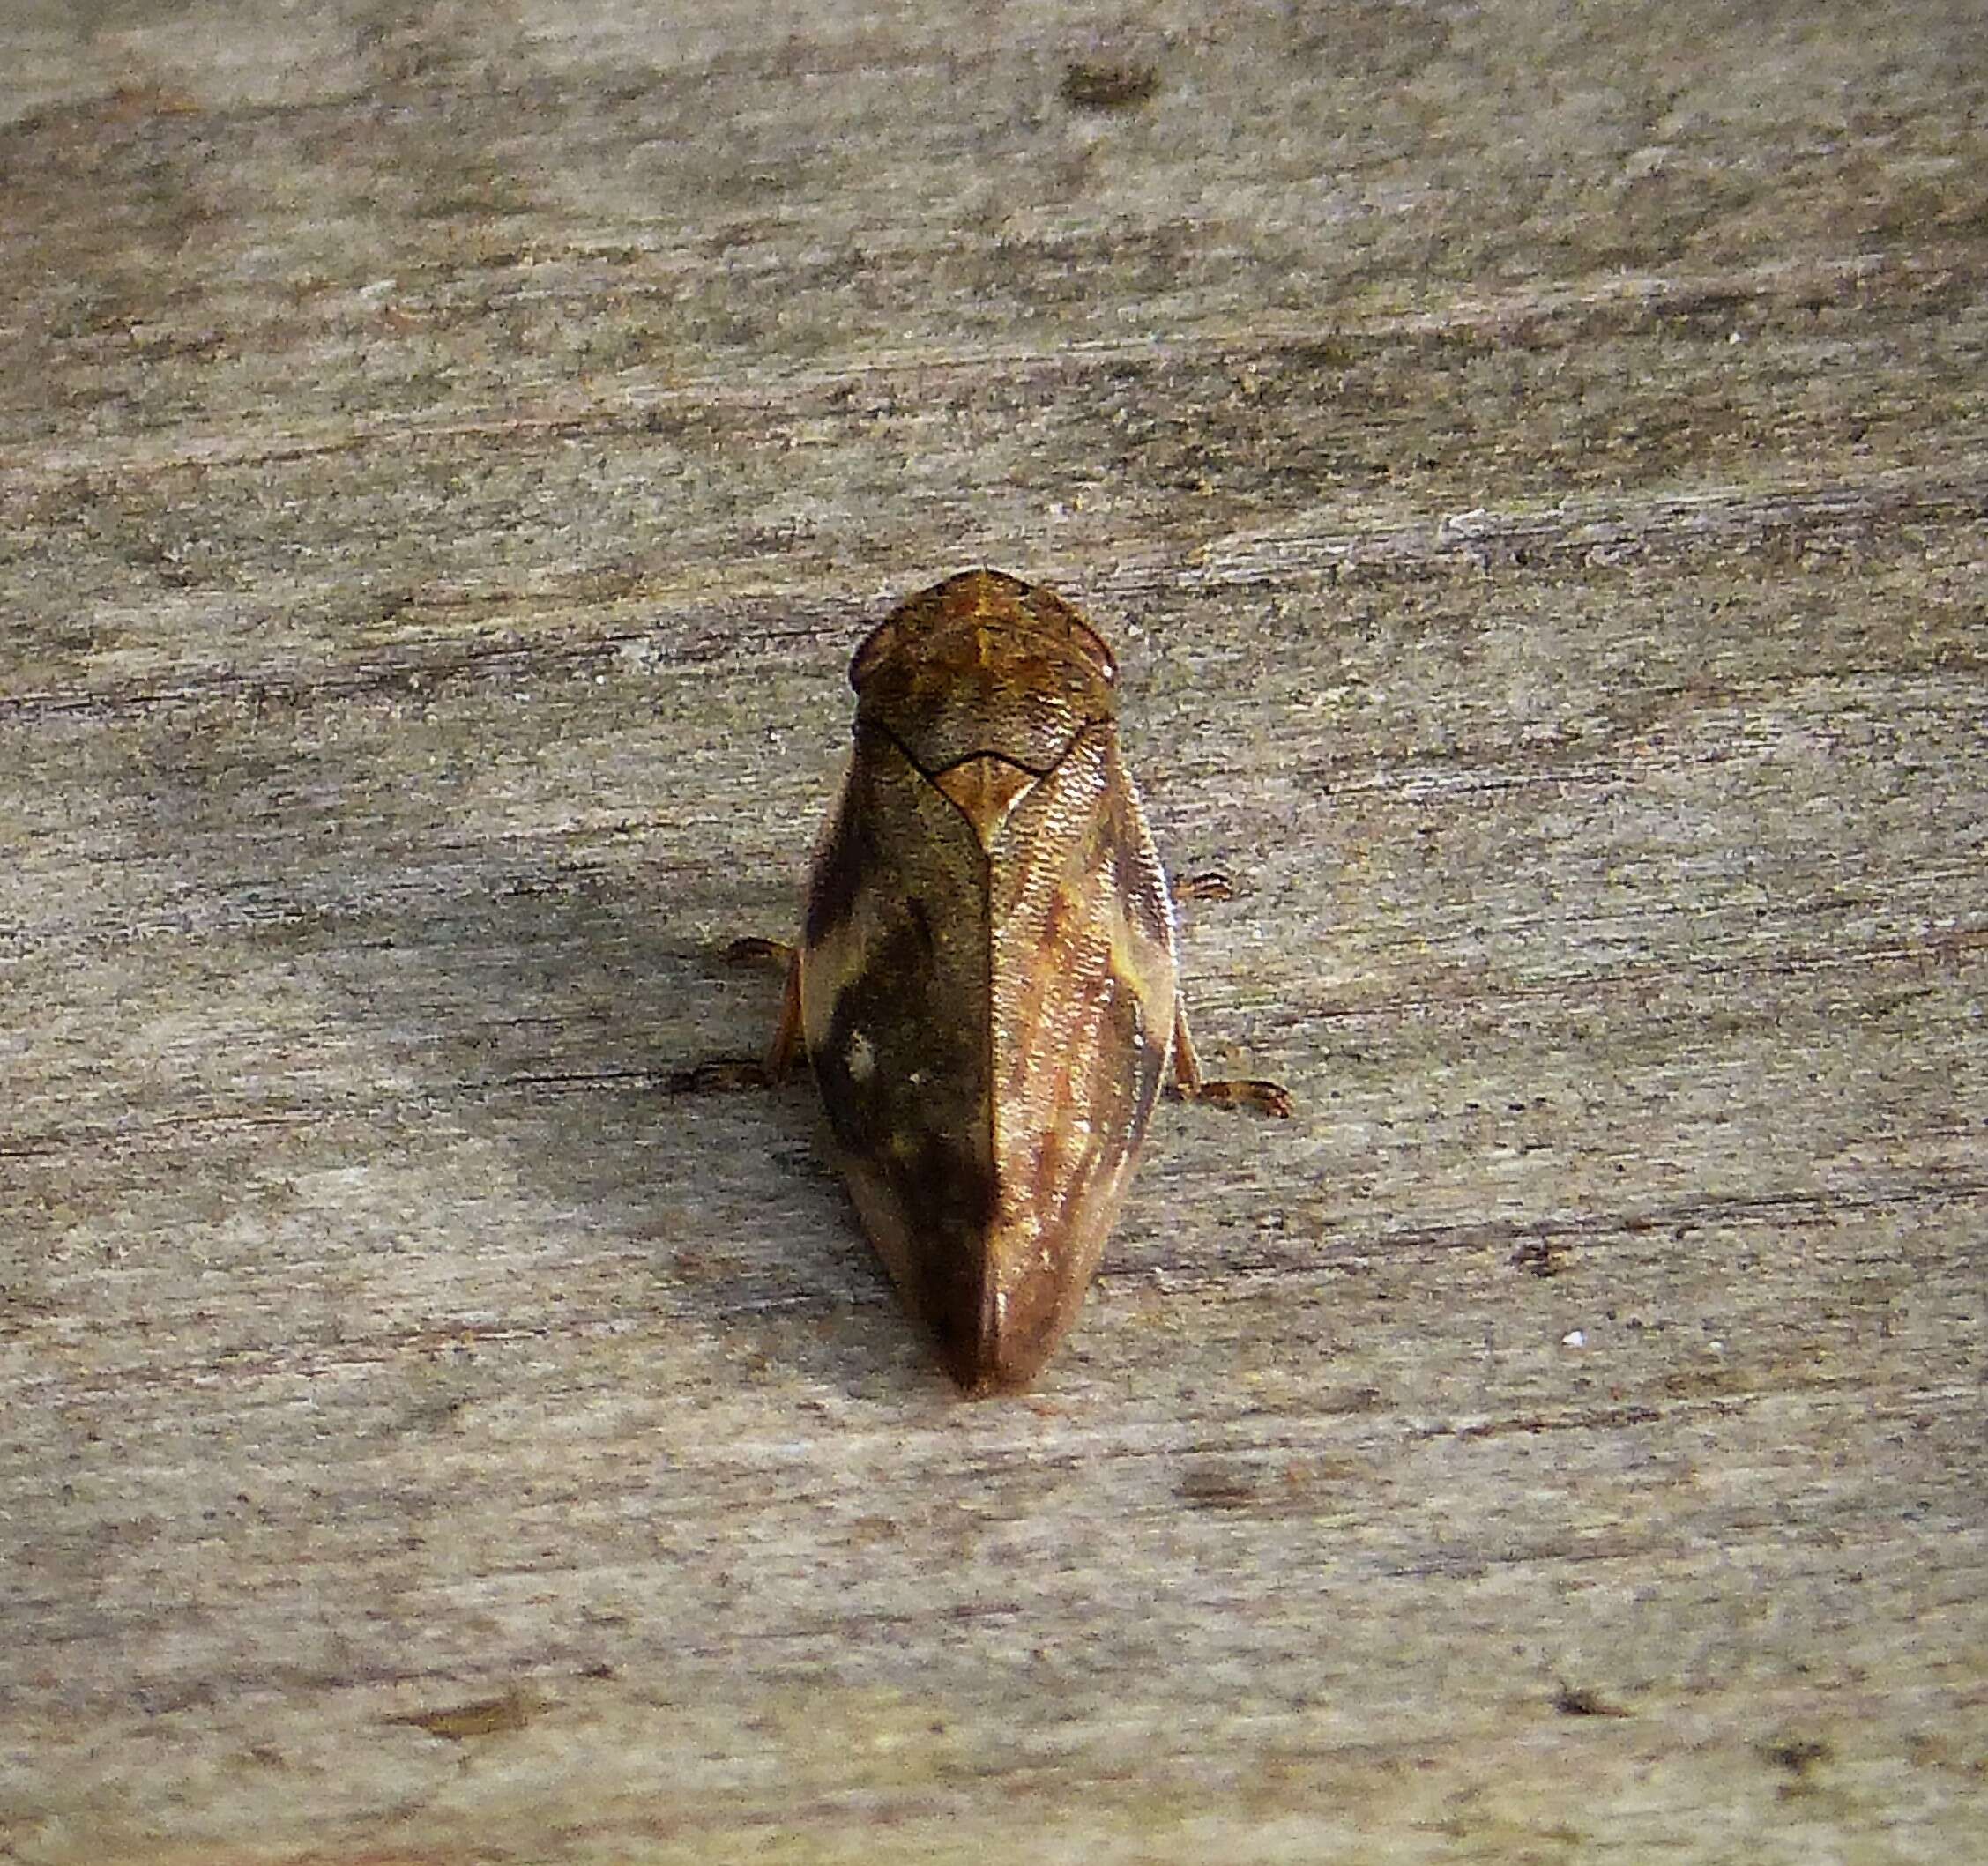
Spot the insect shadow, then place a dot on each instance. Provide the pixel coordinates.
(562, 1009)
(497, 1024)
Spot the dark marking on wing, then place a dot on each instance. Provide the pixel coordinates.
(842, 870)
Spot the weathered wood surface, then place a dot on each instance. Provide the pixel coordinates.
(1532, 462)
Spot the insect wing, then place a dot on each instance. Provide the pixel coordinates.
(1083, 980)
(895, 1011)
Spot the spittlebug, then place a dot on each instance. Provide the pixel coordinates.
(985, 984)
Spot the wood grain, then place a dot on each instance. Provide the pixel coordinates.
(1532, 465)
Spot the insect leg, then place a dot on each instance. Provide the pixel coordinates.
(1209, 885)
(786, 1033)
(1259, 1098)
(724, 1074)
(759, 952)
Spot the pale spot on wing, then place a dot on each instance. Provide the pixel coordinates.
(837, 956)
(862, 1057)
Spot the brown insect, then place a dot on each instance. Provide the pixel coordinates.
(985, 983)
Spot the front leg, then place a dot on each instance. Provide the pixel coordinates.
(787, 1043)
(724, 1074)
